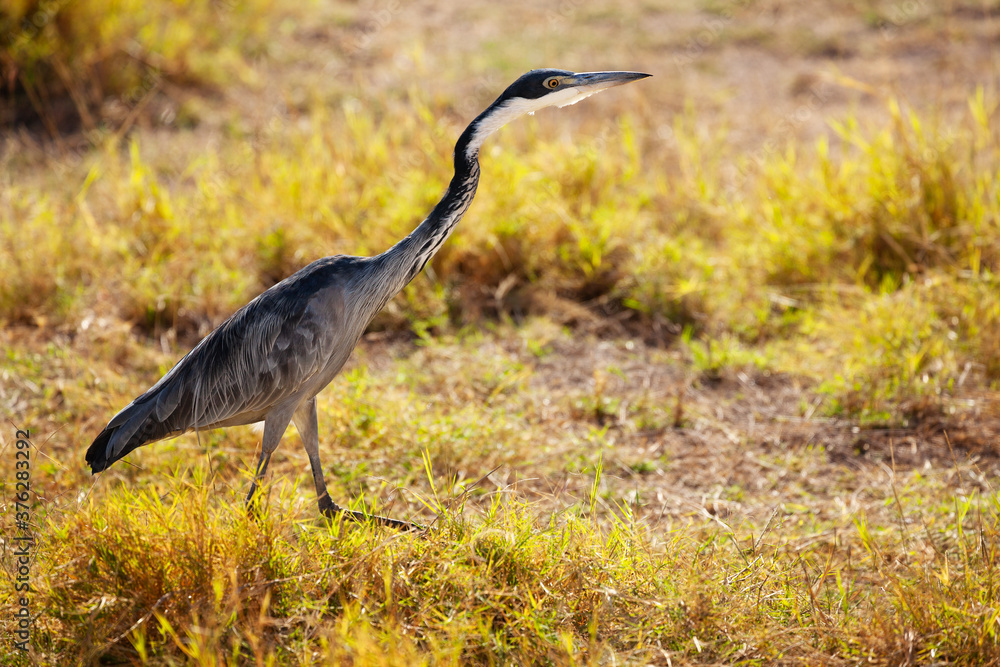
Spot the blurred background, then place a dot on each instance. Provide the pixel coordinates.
(788, 166)
(209, 94)
(765, 275)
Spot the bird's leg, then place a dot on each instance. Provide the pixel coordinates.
(307, 424)
(274, 427)
(253, 505)
(253, 497)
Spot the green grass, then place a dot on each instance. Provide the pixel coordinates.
(904, 220)
(65, 60)
(664, 397)
(158, 563)
(178, 573)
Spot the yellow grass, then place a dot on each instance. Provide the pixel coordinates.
(669, 395)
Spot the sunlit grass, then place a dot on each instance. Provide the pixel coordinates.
(905, 216)
(158, 562)
(632, 398)
(105, 59)
(179, 572)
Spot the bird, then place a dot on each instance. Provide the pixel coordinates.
(269, 360)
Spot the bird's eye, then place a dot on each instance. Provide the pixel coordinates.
(552, 82)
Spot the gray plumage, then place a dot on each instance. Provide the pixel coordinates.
(268, 361)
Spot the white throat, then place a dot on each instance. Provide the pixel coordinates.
(519, 106)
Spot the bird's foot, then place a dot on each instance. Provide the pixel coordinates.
(332, 509)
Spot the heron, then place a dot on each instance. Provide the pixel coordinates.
(270, 359)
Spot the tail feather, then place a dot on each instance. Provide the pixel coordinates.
(138, 424)
(97, 455)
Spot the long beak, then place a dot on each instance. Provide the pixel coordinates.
(588, 83)
(601, 80)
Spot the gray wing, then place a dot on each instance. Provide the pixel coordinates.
(266, 352)
(246, 366)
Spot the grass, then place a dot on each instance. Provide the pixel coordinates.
(666, 397)
(497, 580)
(97, 64)
(897, 219)
(571, 552)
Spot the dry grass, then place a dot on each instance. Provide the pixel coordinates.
(97, 65)
(729, 342)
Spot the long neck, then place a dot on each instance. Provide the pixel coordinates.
(393, 269)
(403, 261)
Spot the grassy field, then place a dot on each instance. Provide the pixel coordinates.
(709, 374)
